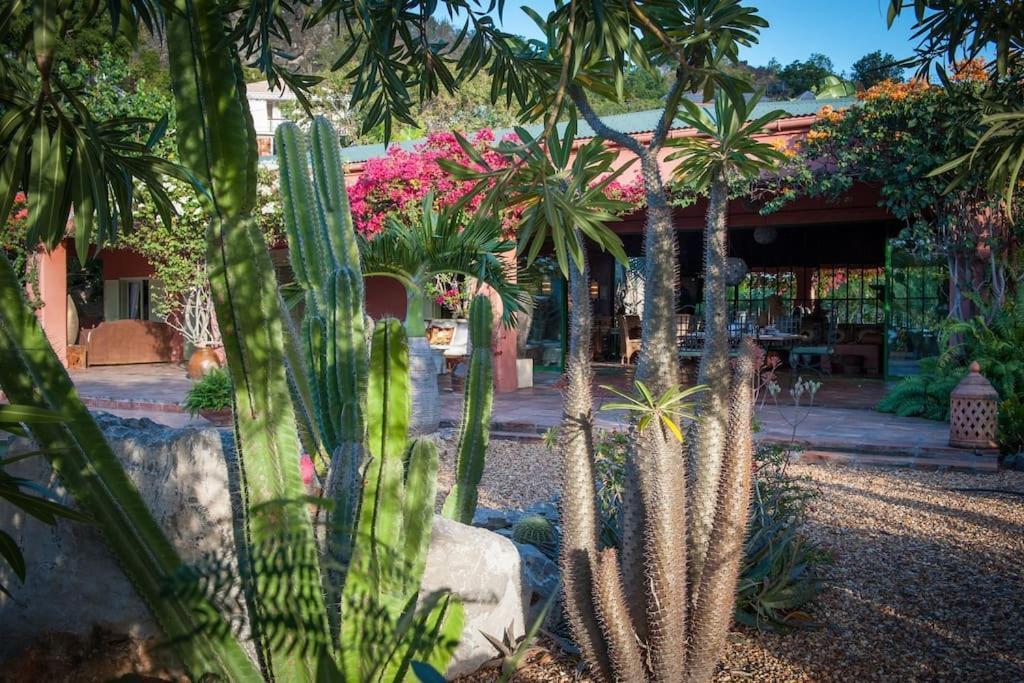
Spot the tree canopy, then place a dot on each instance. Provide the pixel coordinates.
(875, 67)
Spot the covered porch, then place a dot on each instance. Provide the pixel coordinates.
(824, 287)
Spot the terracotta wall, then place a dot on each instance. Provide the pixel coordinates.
(53, 290)
(121, 263)
(385, 296)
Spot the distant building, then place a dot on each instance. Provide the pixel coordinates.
(266, 106)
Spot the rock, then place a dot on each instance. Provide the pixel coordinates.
(493, 520)
(542, 579)
(73, 582)
(485, 571)
(548, 510)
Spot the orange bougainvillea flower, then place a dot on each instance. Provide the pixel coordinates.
(970, 70)
(894, 91)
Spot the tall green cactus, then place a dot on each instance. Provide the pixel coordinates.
(322, 242)
(217, 141)
(324, 255)
(379, 529)
(476, 415)
(393, 533)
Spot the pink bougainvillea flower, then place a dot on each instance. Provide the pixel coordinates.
(396, 183)
(306, 467)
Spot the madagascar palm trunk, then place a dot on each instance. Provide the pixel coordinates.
(716, 597)
(426, 415)
(658, 366)
(662, 483)
(580, 516)
(706, 461)
(656, 599)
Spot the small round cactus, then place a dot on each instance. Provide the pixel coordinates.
(534, 530)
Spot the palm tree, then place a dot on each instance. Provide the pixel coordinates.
(414, 253)
(724, 149)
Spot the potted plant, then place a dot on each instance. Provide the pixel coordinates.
(196, 321)
(210, 397)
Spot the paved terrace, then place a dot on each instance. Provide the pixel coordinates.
(840, 426)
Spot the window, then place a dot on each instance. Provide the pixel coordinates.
(134, 299)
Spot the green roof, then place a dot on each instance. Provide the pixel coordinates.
(632, 123)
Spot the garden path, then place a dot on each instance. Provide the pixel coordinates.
(839, 427)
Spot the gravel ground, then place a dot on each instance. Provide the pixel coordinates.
(516, 474)
(927, 582)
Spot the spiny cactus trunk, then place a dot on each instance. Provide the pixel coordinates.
(662, 479)
(580, 516)
(658, 369)
(474, 434)
(716, 597)
(658, 366)
(711, 432)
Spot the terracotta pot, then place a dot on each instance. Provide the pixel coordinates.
(202, 361)
(220, 418)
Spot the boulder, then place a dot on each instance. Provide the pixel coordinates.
(541, 579)
(484, 570)
(73, 582)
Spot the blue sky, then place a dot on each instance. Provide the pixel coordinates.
(844, 30)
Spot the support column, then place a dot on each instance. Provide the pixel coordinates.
(505, 348)
(53, 292)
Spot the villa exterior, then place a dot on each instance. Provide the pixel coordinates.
(790, 256)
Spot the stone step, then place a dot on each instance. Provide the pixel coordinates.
(965, 462)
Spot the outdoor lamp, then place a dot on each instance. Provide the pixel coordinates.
(973, 412)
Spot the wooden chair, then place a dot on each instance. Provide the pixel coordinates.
(690, 339)
(629, 344)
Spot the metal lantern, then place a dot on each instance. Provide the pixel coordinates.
(735, 270)
(765, 234)
(973, 409)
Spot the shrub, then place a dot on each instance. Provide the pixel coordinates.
(1011, 430)
(926, 394)
(213, 392)
(993, 338)
(781, 566)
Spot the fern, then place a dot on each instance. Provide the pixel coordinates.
(925, 395)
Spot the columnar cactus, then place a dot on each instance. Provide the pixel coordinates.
(381, 509)
(217, 141)
(474, 434)
(325, 260)
(393, 531)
